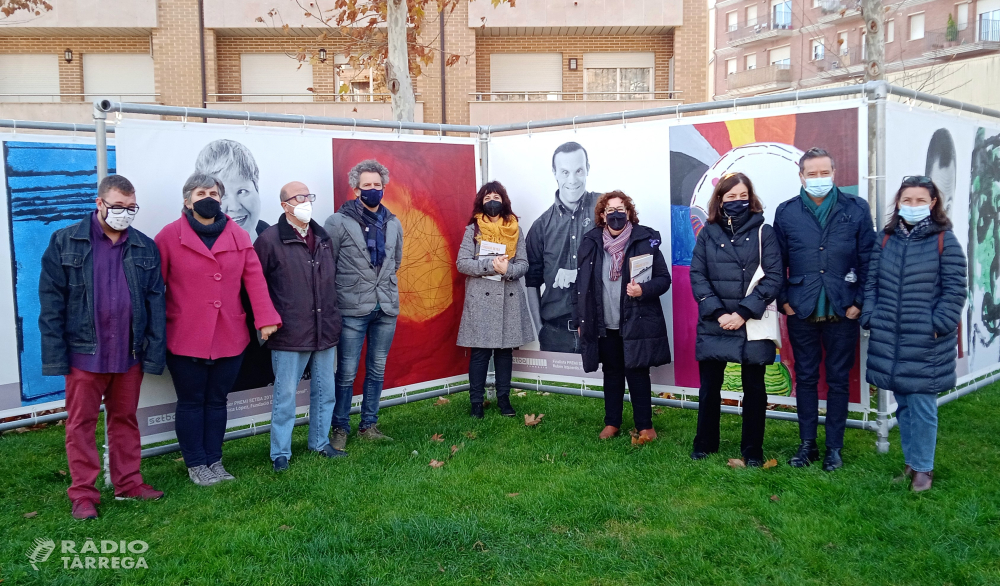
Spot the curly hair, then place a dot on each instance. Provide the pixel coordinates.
(367, 166)
(488, 188)
(602, 204)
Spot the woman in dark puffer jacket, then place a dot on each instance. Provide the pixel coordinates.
(726, 256)
(913, 303)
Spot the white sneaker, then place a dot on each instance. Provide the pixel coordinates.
(220, 472)
(203, 476)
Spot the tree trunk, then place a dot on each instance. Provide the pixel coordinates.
(397, 68)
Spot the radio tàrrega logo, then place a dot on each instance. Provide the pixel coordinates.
(40, 551)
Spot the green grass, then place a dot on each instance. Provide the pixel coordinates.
(586, 512)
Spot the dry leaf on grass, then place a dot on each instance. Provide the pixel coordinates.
(775, 498)
(442, 401)
(638, 440)
(437, 437)
(455, 449)
(546, 394)
(532, 420)
(479, 546)
(285, 527)
(513, 494)
(61, 472)
(181, 459)
(770, 464)
(737, 463)
(436, 464)
(522, 394)
(440, 568)
(470, 434)
(31, 514)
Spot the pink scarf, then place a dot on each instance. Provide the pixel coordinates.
(615, 245)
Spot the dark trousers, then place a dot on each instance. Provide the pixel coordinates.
(200, 421)
(710, 408)
(809, 340)
(556, 336)
(611, 350)
(479, 365)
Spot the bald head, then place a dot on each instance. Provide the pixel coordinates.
(292, 189)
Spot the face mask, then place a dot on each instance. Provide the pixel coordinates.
(303, 212)
(735, 208)
(616, 220)
(207, 207)
(819, 186)
(913, 214)
(118, 220)
(371, 197)
(493, 208)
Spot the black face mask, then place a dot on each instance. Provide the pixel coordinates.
(371, 197)
(616, 220)
(736, 208)
(207, 208)
(493, 208)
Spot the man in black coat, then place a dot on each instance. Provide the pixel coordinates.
(826, 238)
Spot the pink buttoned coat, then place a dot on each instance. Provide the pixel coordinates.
(205, 318)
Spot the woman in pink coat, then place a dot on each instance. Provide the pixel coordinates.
(206, 260)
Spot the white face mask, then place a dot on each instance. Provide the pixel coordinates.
(303, 212)
(118, 220)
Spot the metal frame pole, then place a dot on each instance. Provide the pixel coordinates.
(101, 145)
(879, 93)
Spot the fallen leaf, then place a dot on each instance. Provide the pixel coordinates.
(62, 473)
(284, 527)
(638, 440)
(546, 394)
(770, 464)
(775, 498)
(531, 420)
(440, 568)
(658, 411)
(564, 454)
(181, 459)
(479, 546)
(513, 494)
(470, 434)
(737, 463)
(436, 463)
(442, 401)
(522, 394)
(31, 514)
(454, 449)
(437, 437)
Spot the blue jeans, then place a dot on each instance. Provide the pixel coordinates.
(288, 369)
(917, 417)
(378, 327)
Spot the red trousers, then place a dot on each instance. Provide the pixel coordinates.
(84, 391)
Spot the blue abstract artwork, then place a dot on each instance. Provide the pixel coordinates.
(49, 186)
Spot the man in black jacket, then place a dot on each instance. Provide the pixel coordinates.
(826, 237)
(298, 263)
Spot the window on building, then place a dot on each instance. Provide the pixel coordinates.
(618, 76)
(890, 31)
(916, 26)
(780, 56)
(962, 16)
(818, 50)
(843, 48)
(274, 77)
(526, 76)
(730, 66)
(119, 76)
(751, 15)
(750, 61)
(864, 44)
(988, 14)
(781, 14)
(731, 24)
(29, 78)
(817, 3)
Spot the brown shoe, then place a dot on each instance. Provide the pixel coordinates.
(907, 473)
(647, 435)
(608, 432)
(922, 481)
(84, 509)
(373, 434)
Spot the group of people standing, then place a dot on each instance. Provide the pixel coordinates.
(117, 304)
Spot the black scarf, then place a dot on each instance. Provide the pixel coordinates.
(208, 233)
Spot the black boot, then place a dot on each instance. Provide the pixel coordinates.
(476, 411)
(807, 454)
(503, 401)
(832, 461)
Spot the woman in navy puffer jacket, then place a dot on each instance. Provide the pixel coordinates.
(913, 304)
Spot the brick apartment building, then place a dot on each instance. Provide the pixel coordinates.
(950, 47)
(542, 59)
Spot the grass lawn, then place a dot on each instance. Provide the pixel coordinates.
(543, 505)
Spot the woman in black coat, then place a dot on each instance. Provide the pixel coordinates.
(733, 243)
(618, 314)
(913, 304)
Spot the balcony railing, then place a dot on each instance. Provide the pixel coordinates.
(55, 98)
(983, 36)
(842, 61)
(571, 96)
(777, 73)
(302, 97)
(757, 29)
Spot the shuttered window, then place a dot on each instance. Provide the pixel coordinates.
(122, 77)
(275, 77)
(511, 73)
(22, 75)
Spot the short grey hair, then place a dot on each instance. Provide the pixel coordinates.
(367, 166)
(199, 180)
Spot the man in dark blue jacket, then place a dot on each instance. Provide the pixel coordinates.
(826, 238)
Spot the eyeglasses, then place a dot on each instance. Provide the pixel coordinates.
(301, 198)
(613, 210)
(918, 181)
(131, 210)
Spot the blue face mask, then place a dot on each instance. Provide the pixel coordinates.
(819, 186)
(913, 214)
(371, 197)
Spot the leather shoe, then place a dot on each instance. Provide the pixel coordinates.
(698, 455)
(84, 508)
(922, 481)
(280, 464)
(505, 408)
(476, 411)
(608, 432)
(907, 473)
(806, 454)
(832, 461)
(647, 435)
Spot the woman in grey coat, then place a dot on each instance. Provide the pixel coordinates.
(495, 317)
